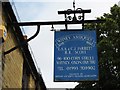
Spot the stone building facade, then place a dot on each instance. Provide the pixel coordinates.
(17, 67)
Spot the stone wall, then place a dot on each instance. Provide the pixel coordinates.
(13, 64)
(31, 82)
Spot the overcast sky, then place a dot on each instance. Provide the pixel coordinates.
(46, 10)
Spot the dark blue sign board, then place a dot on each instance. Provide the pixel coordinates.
(75, 56)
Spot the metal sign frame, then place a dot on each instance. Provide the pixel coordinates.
(74, 20)
(68, 20)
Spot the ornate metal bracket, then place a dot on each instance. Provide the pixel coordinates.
(78, 18)
(25, 42)
(76, 12)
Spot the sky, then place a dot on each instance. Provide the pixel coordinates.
(43, 45)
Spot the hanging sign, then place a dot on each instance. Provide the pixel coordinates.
(75, 56)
